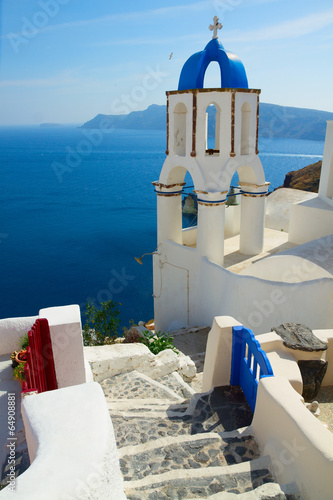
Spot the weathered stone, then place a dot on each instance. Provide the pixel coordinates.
(299, 337)
(313, 372)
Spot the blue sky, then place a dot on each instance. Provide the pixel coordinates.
(65, 61)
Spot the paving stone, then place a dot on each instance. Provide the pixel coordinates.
(188, 455)
(181, 388)
(223, 409)
(134, 385)
(201, 487)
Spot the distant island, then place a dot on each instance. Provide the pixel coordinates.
(50, 125)
(275, 121)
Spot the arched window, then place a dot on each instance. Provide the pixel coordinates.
(212, 129)
(180, 129)
(189, 213)
(245, 129)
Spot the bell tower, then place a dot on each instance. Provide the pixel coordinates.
(178, 278)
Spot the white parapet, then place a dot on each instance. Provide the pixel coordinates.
(217, 367)
(67, 343)
(11, 329)
(71, 446)
(300, 447)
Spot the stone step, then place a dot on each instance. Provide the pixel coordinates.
(140, 420)
(203, 482)
(268, 491)
(177, 384)
(136, 385)
(186, 452)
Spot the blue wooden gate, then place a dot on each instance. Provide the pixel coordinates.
(249, 363)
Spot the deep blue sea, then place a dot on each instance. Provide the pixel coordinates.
(69, 231)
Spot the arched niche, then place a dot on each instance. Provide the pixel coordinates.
(179, 127)
(213, 119)
(245, 129)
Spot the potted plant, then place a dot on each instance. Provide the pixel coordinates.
(20, 355)
(18, 373)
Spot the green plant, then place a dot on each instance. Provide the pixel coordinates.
(18, 372)
(101, 323)
(24, 341)
(157, 342)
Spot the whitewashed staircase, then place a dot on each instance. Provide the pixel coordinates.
(175, 444)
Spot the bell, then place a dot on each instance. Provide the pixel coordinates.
(232, 198)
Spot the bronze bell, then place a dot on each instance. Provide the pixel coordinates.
(232, 198)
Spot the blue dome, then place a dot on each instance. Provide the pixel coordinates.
(233, 73)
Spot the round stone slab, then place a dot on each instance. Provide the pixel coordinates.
(299, 337)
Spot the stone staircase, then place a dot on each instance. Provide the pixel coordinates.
(174, 443)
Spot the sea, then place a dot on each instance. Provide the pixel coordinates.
(77, 207)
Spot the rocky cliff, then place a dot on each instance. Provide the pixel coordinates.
(306, 179)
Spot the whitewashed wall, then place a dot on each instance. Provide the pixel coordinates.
(214, 291)
(71, 445)
(11, 329)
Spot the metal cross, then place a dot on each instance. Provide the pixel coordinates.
(216, 26)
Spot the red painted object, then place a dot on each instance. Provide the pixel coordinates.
(39, 369)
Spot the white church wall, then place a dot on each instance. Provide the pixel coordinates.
(261, 304)
(245, 110)
(176, 287)
(223, 101)
(180, 128)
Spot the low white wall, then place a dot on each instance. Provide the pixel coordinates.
(108, 361)
(217, 366)
(11, 329)
(278, 206)
(310, 220)
(67, 343)
(300, 447)
(71, 446)
(191, 291)
(261, 304)
(327, 336)
(286, 268)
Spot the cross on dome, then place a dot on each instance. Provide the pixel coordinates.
(216, 26)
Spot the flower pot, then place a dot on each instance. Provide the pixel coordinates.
(21, 381)
(150, 325)
(21, 357)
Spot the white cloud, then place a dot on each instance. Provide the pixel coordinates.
(289, 29)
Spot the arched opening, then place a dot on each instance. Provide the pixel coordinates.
(329, 191)
(189, 212)
(212, 129)
(212, 78)
(245, 129)
(179, 128)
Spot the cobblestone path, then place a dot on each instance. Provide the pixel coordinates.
(177, 444)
